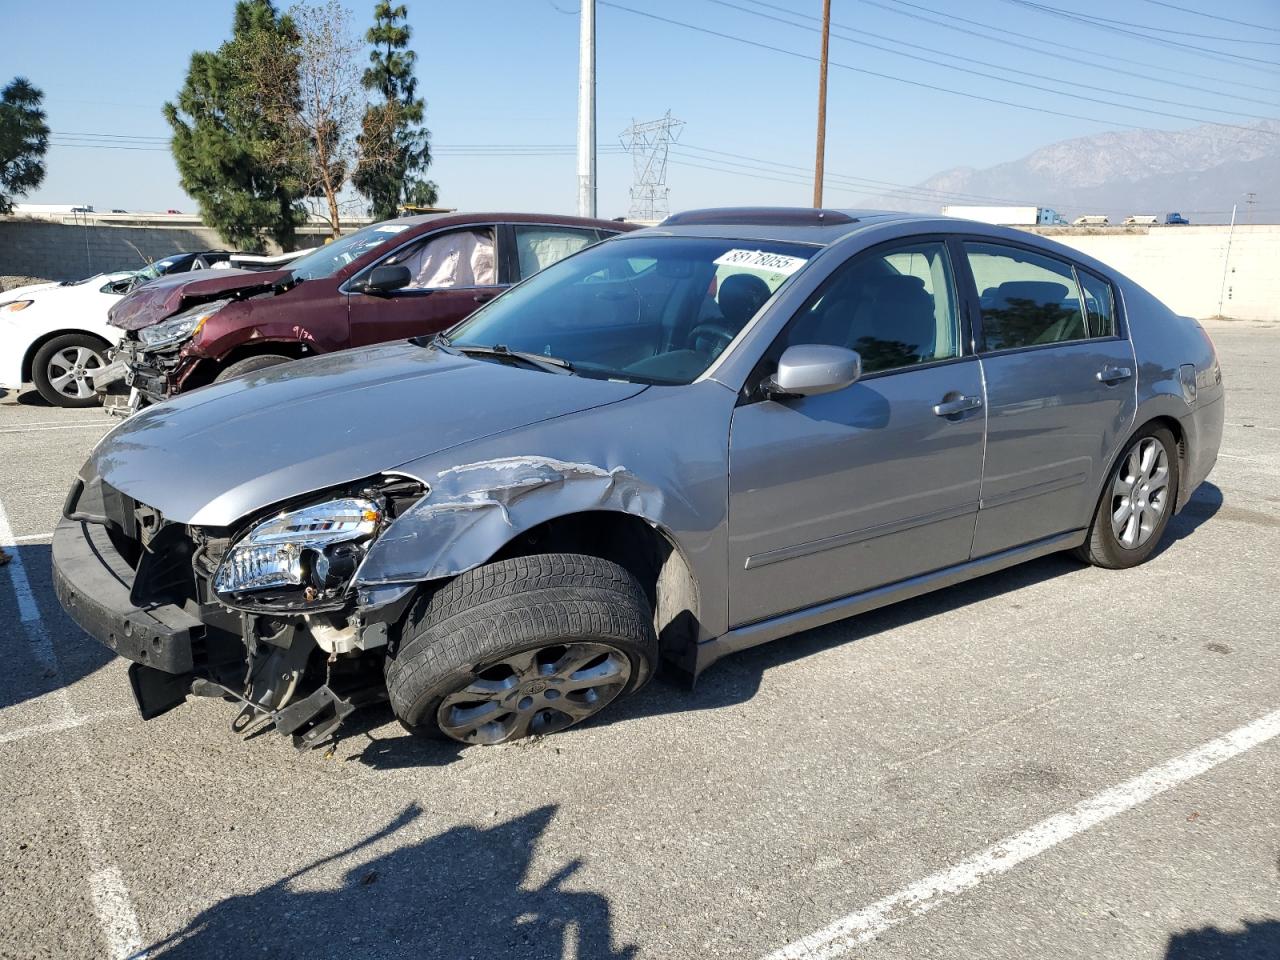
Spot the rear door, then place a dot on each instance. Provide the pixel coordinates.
(453, 272)
(1061, 391)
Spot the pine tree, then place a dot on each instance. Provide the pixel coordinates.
(24, 138)
(226, 147)
(396, 147)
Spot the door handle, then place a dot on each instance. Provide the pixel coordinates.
(956, 405)
(1114, 374)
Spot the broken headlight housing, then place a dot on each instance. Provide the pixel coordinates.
(312, 551)
(179, 328)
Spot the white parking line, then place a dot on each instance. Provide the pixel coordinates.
(65, 426)
(111, 902)
(842, 936)
(32, 537)
(56, 726)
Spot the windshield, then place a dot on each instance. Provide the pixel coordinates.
(332, 257)
(157, 269)
(652, 309)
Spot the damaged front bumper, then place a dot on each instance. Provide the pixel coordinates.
(148, 606)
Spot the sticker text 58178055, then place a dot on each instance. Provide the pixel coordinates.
(761, 260)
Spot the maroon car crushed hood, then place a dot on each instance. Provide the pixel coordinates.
(165, 296)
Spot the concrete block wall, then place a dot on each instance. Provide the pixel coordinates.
(59, 251)
(1183, 266)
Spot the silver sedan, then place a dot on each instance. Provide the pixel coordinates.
(670, 446)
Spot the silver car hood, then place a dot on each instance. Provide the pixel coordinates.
(216, 454)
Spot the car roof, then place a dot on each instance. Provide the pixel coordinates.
(820, 226)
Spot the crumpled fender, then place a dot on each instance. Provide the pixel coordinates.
(473, 509)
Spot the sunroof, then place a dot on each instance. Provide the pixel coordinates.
(765, 216)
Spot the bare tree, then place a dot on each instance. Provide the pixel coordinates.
(325, 113)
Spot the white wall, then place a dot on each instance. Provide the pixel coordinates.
(1183, 266)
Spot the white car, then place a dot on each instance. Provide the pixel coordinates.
(56, 336)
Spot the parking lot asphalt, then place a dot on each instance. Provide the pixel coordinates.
(1053, 761)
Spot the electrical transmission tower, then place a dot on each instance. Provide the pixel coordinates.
(647, 143)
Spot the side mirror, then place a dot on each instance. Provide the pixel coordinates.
(809, 369)
(386, 278)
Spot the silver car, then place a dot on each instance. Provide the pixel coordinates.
(676, 444)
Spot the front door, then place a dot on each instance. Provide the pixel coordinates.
(1061, 392)
(453, 272)
(835, 494)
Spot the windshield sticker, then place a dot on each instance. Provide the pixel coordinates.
(759, 260)
(391, 228)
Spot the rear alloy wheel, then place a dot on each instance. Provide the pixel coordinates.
(1137, 502)
(63, 369)
(521, 647)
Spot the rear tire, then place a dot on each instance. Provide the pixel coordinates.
(63, 369)
(521, 647)
(1136, 503)
(250, 364)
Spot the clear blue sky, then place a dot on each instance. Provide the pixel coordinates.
(505, 72)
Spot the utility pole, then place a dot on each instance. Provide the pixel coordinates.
(587, 111)
(1250, 199)
(820, 158)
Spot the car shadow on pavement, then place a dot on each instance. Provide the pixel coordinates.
(27, 675)
(736, 679)
(1258, 940)
(466, 892)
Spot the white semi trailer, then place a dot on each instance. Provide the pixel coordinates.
(1005, 216)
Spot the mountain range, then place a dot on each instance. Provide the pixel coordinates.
(1200, 172)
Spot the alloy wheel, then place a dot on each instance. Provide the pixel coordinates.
(535, 692)
(1140, 494)
(71, 371)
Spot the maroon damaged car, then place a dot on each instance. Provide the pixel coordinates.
(400, 278)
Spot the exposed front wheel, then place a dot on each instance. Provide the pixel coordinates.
(63, 369)
(1136, 503)
(522, 647)
(250, 364)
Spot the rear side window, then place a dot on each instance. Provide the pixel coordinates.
(539, 247)
(1027, 299)
(1099, 305)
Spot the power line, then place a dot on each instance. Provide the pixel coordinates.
(1181, 33)
(1214, 16)
(989, 76)
(1267, 66)
(1076, 56)
(873, 73)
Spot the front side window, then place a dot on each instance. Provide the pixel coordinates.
(1027, 299)
(460, 258)
(1099, 304)
(539, 247)
(897, 308)
(648, 309)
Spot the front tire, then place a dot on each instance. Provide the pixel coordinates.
(521, 647)
(1136, 503)
(63, 369)
(250, 364)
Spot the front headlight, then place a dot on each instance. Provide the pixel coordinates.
(317, 547)
(182, 327)
(13, 306)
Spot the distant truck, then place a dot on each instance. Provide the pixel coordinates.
(1090, 220)
(1176, 220)
(1004, 216)
(1141, 220)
